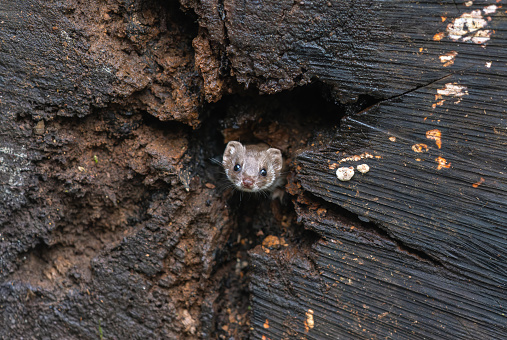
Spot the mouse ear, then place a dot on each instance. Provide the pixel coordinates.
(276, 158)
(232, 148)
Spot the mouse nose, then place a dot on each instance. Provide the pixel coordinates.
(248, 182)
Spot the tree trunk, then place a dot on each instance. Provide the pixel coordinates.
(116, 224)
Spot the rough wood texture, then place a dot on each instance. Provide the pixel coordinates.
(448, 201)
(110, 221)
(380, 48)
(433, 263)
(356, 284)
(92, 243)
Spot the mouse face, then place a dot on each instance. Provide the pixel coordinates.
(252, 168)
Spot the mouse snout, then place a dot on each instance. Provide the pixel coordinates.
(248, 182)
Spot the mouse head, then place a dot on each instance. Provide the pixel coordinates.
(252, 168)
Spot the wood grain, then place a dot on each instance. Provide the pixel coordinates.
(448, 213)
(429, 259)
(363, 286)
(380, 48)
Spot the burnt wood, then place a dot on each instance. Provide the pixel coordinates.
(428, 259)
(380, 48)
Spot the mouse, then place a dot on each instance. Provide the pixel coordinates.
(253, 168)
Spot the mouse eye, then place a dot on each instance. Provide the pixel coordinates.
(237, 167)
(263, 172)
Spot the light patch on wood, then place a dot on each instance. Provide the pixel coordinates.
(39, 128)
(453, 89)
(488, 64)
(420, 147)
(356, 158)
(469, 3)
(439, 103)
(439, 36)
(345, 173)
(309, 322)
(479, 182)
(490, 9)
(442, 163)
(435, 135)
(10, 151)
(266, 324)
(188, 322)
(481, 36)
(392, 139)
(363, 168)
(14, 164)
(470, 26)
(448, 58)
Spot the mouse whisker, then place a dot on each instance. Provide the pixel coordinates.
(216, 161)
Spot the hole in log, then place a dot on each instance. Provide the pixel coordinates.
(292, 121)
